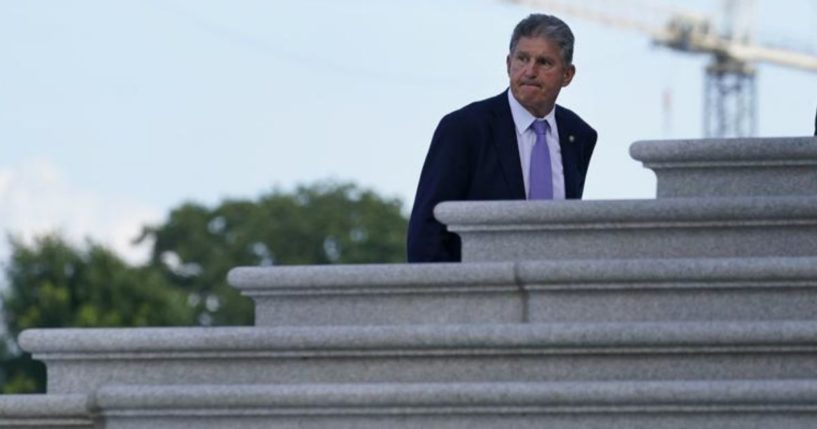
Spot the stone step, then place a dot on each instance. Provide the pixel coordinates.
(45, 411)
(80, 360)
(731, 167)
(532, 291)
(633, 229)
(752, 404)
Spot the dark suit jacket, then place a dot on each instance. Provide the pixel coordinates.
(474, 155)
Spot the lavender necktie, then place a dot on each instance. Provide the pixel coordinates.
(540, 179)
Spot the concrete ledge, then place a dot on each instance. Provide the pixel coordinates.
(45, 411)
(371, 278)
(794, 150)
(572, 214)
(393, 398)
(73, 343)
(731, 167)
(750, 289)
(676, 273)
(633, 229)
(785, 404)
(80, 360)
(468, 277)
(389, 294)
(532, 291)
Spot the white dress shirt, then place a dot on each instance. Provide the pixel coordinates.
(526, 138)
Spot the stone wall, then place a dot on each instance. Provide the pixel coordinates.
(692, 310)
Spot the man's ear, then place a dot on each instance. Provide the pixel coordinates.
(569, 72)
(508, 64)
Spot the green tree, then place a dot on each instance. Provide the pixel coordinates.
(323, 223)
(52, 284)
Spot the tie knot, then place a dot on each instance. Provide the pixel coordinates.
(540, 127)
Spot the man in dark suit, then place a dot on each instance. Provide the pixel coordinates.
(516, 145)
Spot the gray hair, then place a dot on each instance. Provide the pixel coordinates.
(547, 27)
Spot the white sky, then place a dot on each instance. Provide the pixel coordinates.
(113, 112)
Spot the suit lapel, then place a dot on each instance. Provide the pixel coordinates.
(568, 144)
(504, 140)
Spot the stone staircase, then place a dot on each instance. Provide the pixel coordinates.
(694, 310)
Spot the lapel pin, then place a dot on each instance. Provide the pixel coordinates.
(570, 138)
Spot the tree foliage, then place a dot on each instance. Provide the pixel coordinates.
(54, 284)
(324, 223)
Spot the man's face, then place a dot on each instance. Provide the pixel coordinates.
(537, 74)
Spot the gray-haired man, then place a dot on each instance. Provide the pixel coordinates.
(517, 145)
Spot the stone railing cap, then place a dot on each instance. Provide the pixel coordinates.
(512, 214)
(796, 149)
(552, 336)
(762, 393)
(476, 277)
(43, 406)
(373, 275)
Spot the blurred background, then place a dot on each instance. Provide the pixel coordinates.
(148, 146)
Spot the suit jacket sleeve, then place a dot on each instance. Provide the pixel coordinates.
(444, 178)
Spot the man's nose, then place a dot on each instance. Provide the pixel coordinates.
(530, 69)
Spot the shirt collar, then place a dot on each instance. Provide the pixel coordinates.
(523, 119)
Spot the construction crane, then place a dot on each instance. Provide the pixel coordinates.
(729, 92)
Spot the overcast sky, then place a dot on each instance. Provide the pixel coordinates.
(113, 112)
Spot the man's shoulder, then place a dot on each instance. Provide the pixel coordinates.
(480, 110)
(563, 114)
(567, 117)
